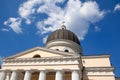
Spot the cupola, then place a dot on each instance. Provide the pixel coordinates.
(64, 40)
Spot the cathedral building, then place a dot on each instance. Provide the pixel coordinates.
(60, 59)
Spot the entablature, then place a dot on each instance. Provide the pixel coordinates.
(42, 61)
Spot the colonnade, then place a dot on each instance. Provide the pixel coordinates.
(59, 74)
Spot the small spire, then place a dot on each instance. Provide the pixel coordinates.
(63, 22)
(63, 26)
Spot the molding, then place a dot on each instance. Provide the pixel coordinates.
(46, 70)
(75, 69)
(58, 69)
(2, 70)
(96, 56)
(39, 65)
(64, 42)
(100, 75)
(43, 58)
(98, 71)
(41, 61)
(39, 48)
(99, 68)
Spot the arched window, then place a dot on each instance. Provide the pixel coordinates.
(57, 49)
(37, 56)
(66, 50)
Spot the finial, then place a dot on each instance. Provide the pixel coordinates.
(63, 22)
(63, 26)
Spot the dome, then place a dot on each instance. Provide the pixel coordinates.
(63, 34)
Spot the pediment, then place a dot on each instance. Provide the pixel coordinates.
(43, 52)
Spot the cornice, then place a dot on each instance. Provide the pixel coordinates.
(41, 61)
(99, 68)
(96, 56)
(42, 49)
(98, 71)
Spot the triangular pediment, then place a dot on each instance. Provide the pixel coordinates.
(43, 52)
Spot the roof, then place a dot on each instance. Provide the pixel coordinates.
(39, 48)
(63, 34)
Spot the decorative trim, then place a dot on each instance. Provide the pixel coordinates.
(99, 68)
(39, 48)
(39, 65)
(75, 69)
(96, 56)
(41, 61)
(38, 70)
(98, 71)
(55, 43)
(62, 40)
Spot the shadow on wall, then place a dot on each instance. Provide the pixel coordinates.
(117, 78)
(84, 77)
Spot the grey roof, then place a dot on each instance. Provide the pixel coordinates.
(63, 34)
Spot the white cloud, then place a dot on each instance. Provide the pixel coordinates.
(5, 29)
(26, 9)
(1, 60)
(14, 24)
(45, 39)
(117, 7)
(42, 29)
(97, 29)
(77, 15)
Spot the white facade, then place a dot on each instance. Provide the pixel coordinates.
(55, 64)
(60, 59)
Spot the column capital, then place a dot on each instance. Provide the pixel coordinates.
(28, 74)
(42, 74)
(75, 75)
(58, 69)
(59, 74)
(75, 69)
(42, 69)
(2, 70)
(29, 70)
(5, 69)
(45, 70)
(3, 75)
(14, 70)
(14, 75)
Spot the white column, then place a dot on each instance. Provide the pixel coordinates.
(14, 75)
(42, 75)
(28, 75)
(75, 75)
(3, 75)
(59, 75)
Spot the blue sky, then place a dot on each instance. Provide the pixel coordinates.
(25, 24)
